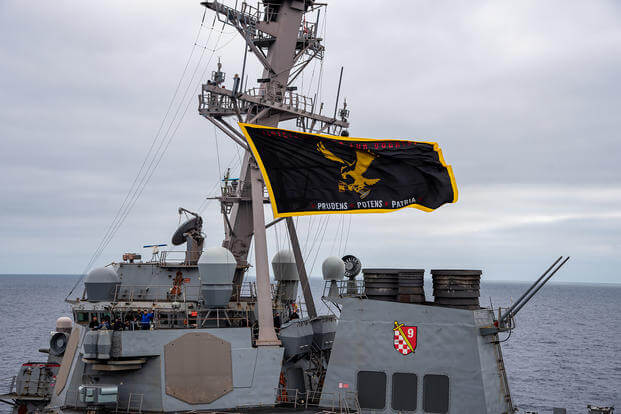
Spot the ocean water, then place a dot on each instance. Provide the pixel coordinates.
(564, 352)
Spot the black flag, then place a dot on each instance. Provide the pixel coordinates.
(318, 174)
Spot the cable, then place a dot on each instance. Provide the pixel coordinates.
(144, 176)
(319, 246)
(215, 133)
(347, 235)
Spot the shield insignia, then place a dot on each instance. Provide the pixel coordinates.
(404, 338)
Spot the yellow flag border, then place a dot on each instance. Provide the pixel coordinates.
(268, 184)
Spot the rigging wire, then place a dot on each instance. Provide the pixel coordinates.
(309, 253)
(215, 134)
(155, 139)
(336, 234)
(103, 242)
(159, 154)
(347, 235)
(320, 244)
(232, 164)
(144, 176)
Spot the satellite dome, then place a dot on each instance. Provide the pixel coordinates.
(284, 266)
(101, 284)
(102, 275)
(333, 268)
(64, 324)
(216, 268)
(217, 255)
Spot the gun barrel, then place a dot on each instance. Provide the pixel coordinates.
(517, 302)
(539, 287)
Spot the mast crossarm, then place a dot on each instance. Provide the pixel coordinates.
(216, 101)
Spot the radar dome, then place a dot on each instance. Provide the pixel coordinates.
(333, 268)
(64, 324)
(216, 268)
(284, 266)
(217, 255)
(100, 284)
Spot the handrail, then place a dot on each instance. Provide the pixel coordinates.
(344, 401)
(344, 288)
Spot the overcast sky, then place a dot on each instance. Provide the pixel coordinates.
(523, 98)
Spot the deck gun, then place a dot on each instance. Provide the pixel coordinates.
(505, 320)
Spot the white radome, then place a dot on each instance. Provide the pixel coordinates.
(333, 268)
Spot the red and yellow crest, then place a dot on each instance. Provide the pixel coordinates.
(404, 338)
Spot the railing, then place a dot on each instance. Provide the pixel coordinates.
(133, 405)
(178, 257)
(287, 98)
(214, 102)
(344, 288)
(342, 402)
(246, 292)
(158, 293)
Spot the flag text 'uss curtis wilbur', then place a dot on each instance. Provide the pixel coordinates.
(318, 174)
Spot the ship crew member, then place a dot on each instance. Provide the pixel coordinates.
(294, 312)
(106, 323)
(117, 325)
(146, 319)
(94, 324)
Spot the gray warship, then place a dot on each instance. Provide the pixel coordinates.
(189, 331)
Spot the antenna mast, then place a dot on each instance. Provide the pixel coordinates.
(279, 36)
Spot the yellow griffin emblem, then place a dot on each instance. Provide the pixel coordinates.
(353, 170)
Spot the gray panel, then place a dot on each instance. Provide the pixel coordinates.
(244, 364)
(104, 344)
(404, 391)
(261, 392)
(448, 343)
(296, 336)
(371, 387)
(151, 343)
(198, 368)
(488, 357)
(436, 394)
(152, 281)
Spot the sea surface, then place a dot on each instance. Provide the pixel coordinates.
(564, 352)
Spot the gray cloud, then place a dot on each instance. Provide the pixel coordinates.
(522, 97)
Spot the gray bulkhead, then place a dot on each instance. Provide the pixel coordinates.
(448, 343)
(255, 371)
(152, 281)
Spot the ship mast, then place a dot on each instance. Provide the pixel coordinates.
(279, 36)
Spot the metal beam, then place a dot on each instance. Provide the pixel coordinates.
(299, 260)
(271, 223)
(227, 132)
(233, 130)
(267, 333)
(255, 50)
(260, 115)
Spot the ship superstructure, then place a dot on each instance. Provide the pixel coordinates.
(188, 331)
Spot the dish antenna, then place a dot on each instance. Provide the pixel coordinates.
(352, 266)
